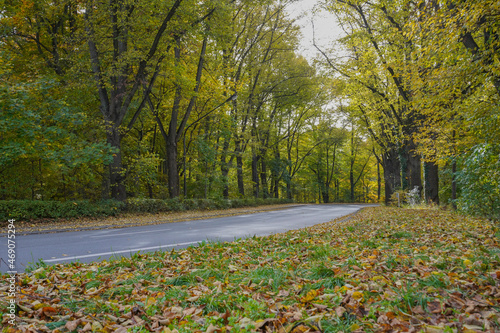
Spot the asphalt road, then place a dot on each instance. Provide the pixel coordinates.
(95, 245)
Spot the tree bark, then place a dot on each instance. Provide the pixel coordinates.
(173, 175)
(325, 193)
(263, 177)
(276, 174)
(414, 166)
(351, 168)
(454, 184)
(116, 172)
(239, 168)
(392, 169)
(379, 181)
(431, 182)
(224, 168)
(255, 174)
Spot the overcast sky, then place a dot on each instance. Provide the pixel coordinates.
(325, 27)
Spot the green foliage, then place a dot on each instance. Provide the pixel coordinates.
(37, 125)
(479, 181)
(39, 209)
(34, 209)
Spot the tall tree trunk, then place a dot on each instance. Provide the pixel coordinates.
(414, 166)
(105, 183)
(116, 172)
(263, 176)
(176, 128)
(276, 174)
(351, 181)
(224, 168)
(431, 171)
(337, 190)
(379, 181)
(403, 169)
(255, 174)
(454, 184)
(173, 175)
(351, 169)
(239, 168)
(325, 193)
(392, 169)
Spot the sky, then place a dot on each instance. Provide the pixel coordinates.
(325, 26)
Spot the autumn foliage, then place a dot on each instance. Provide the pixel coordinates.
(383, 269)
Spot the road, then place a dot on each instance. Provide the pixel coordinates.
(95, 245)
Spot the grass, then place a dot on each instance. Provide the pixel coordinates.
(384, 269)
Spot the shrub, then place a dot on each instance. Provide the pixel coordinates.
(394, 198)
(141, 205)
(175, 205)
(29, 209)
(479, 181)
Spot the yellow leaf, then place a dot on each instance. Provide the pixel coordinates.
(151, 301)
(357, 295)
(433, 329)
(354, 327)
(309, 297)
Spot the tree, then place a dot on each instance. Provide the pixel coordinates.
(41, 136)
(382, 62)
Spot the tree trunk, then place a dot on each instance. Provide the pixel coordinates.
(255, 174)
(325, 193)
(224, 168)
(379, 181)
(403, 169)
(337, 190)
(263, 177)
(116, 172)
(351, 169)
(392, 169)
(276, 174)
(239, 168)
(173, 175)
(431, 182)
(454, 184)
(414, 171)
(351, 181)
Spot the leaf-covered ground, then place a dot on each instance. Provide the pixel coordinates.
(385, 269)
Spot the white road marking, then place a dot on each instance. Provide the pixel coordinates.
(243, 215)
(130, 233)
(122, 251)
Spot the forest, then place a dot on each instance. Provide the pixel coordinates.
(163, 99)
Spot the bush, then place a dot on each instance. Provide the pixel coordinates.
(192, 204)
(141, 205)
(29, 209)
(398, 197)
(479, 181)
(175, 205)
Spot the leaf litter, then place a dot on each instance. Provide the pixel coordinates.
(383, 270)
